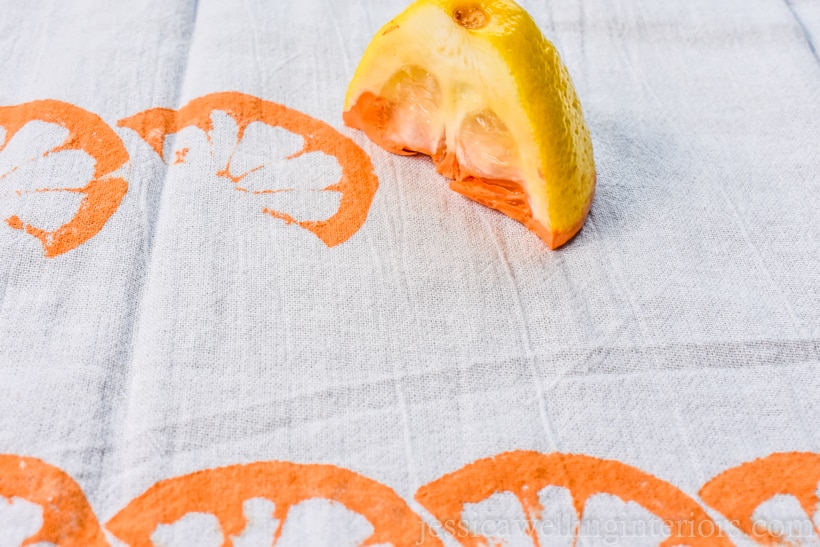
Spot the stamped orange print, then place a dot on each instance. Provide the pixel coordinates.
(222, 492)
(525, 476)
(738, 492)
(357, 184)
(287, 504)
(100, 197)
(68, 520)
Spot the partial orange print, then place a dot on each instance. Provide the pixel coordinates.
(524, 474)
(293, 497)
(357, 184)
(87, 132)
(222, 491)
(737, 492)
(68, 520)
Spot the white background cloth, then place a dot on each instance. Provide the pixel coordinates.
(678, 333)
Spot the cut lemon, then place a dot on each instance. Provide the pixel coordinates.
(476, 86)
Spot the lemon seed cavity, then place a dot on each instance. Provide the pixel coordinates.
(471, 17)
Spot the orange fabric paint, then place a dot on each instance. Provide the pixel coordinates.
(102, 195)
(357, 185)
(525, 473)
(737, 492)
(68, 520)
(222, 491)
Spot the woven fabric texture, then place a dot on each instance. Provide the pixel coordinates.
(197, 316)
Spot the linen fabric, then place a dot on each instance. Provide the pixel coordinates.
(206, 324)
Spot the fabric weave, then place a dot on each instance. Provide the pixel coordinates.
(678, 333)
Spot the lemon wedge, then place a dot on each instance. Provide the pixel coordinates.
(476, 86)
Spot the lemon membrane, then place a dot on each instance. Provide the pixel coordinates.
(477, 87)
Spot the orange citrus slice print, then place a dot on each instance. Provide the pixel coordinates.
(738, 492)
(527, 475)
(101, 196)
(357, 184)
(225, 491)
(68, 520)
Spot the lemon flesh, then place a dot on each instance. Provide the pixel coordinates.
(477, 87)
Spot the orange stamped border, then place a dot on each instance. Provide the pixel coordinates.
(68, 520)
(736, 493)
(222, 491)
(525, 473)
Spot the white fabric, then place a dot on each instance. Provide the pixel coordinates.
(679, 332)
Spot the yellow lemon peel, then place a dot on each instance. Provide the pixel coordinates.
(476, 86)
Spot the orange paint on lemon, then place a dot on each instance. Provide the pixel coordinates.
(102, 195)
(358, 182)
(68, 520)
